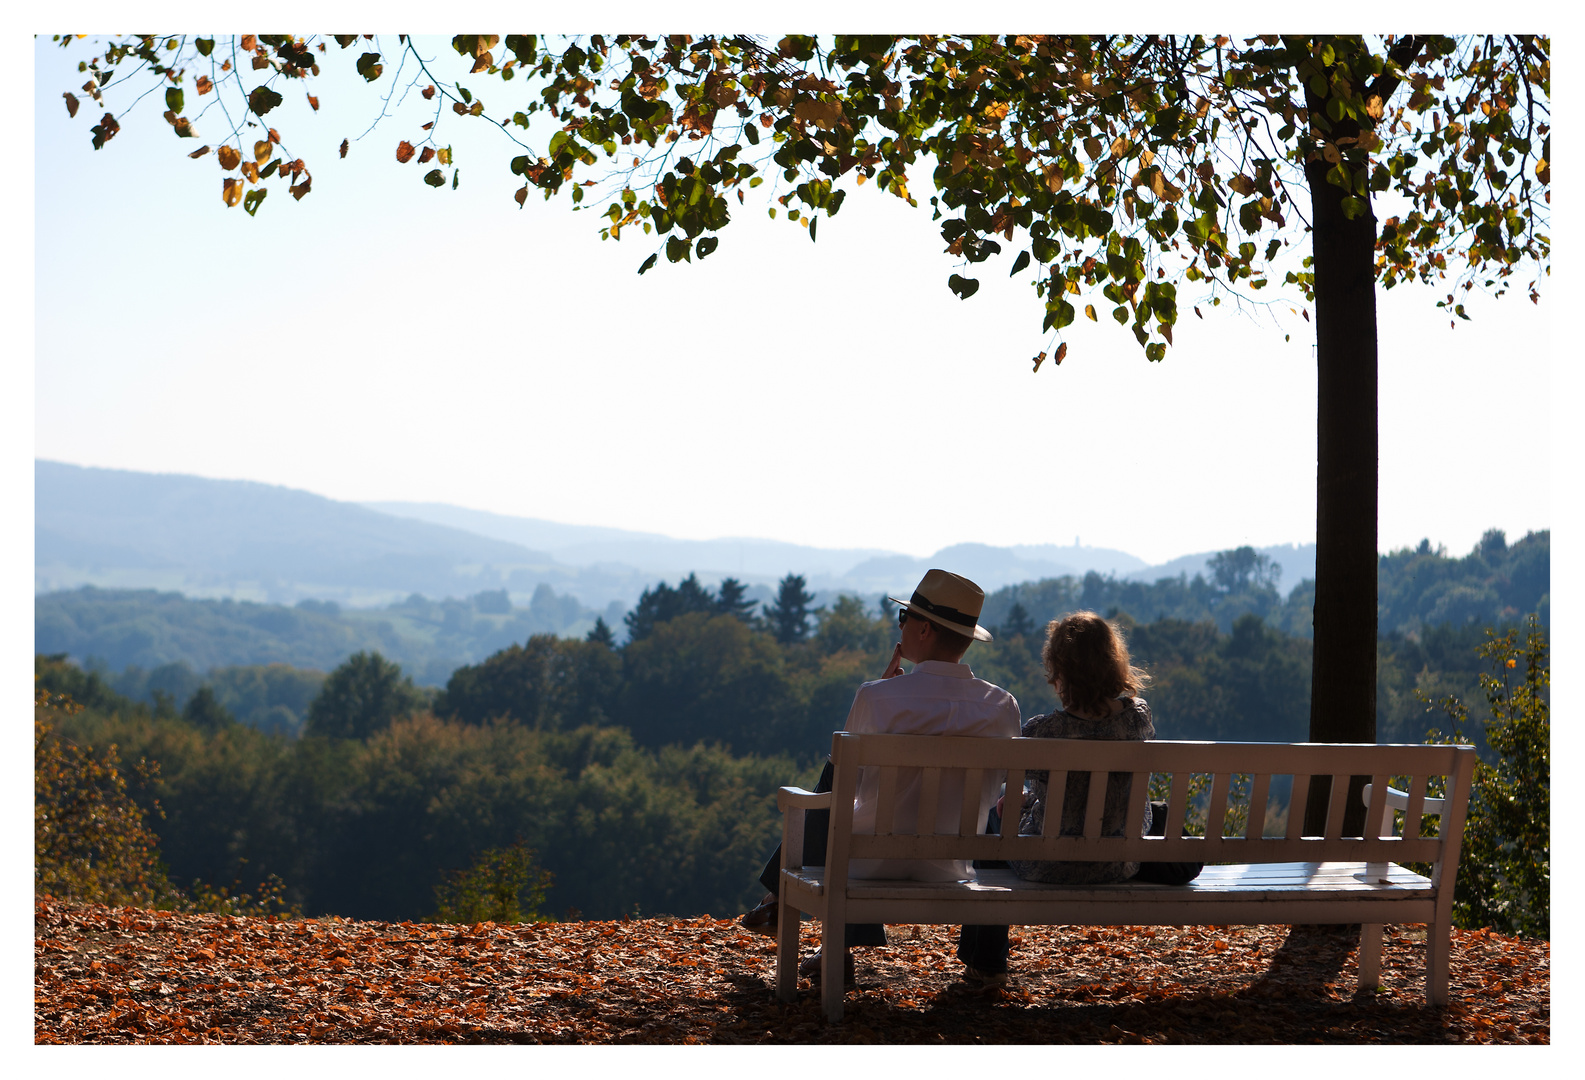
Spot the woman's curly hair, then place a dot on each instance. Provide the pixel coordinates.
(1090, 656)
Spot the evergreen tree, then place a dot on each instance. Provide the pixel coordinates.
(731, 601)
(663, 603)
(654, 606)
(601, 634)
(789, 615)
(692, 596)
(1018, 623)
(205, 712)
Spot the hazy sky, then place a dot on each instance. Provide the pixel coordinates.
(382, 340)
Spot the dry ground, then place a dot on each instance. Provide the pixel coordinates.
(124, 975)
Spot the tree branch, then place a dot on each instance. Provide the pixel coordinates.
(1401, 55)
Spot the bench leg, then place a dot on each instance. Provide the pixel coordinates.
(833, 959)
(1438, 940)
(786, 950)
(1370, 956)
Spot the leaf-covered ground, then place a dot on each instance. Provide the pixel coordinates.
(124, 975)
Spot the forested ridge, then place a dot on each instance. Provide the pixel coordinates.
(642, 774)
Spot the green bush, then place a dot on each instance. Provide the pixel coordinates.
(502, 886)
(90, 840)
(1505, 865)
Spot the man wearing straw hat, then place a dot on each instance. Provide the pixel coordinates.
(940, 696)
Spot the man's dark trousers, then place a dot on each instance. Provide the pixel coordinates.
(983, 948)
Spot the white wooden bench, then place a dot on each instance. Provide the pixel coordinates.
(1284, 879)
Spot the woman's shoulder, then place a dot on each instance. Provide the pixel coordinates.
(1136, 713)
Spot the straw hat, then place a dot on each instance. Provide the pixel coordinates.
(948, 600)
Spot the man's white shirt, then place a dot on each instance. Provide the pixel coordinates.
(936, 698)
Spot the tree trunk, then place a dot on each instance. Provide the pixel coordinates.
(1343, 687)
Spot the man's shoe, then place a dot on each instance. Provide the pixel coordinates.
(763, 919)
(810, 968)
(974, 981)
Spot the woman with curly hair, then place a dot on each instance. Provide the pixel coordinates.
(1087, 664)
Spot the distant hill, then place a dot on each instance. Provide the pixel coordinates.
(118, 529)
(591, 545)
(862, 570)
(234, 538)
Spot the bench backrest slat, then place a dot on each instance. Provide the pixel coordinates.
(1094, 816)
(1411, 816)
(929, 799)
(1058, 781)
(886, 801)
(969, 819)
(1138, 794)
(1013, 802)
(1298, 804)
(1336, 805)
(1259, 792)
(1177, 804)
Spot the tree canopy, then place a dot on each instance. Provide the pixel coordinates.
(362, 696)
(1118, 162)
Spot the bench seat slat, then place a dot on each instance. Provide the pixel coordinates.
(1253, 878)
(1144, 849)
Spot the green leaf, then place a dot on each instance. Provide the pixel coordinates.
(522, 46)
(1059, 314)
(251, 201)
(962, 286)
(678, 249)
(435, 178)
(369, 66)
(173, 99)
(649, 262)
(262, 100)
(707, 244)
(205, 46)
(751, 133)
(1019, 263)
(1353, 207)
(814, 223)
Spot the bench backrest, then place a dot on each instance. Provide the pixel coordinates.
(904, 758)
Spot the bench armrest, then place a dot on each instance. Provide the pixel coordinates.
(1399, 800)
(788, 798)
